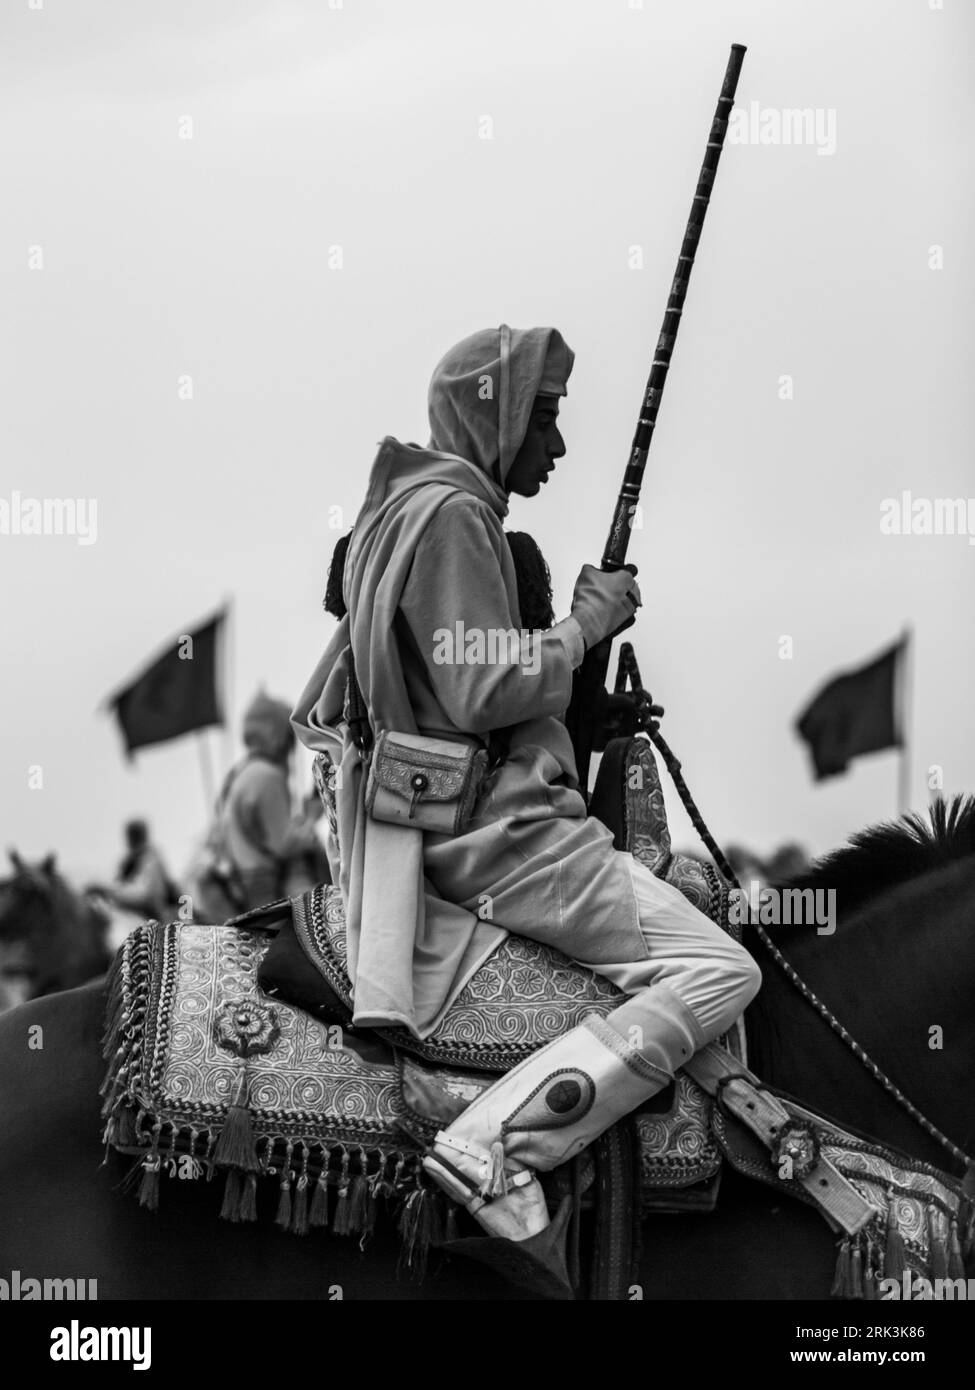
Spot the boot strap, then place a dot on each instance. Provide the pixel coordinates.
(514, 1177)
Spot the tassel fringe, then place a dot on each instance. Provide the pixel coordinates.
(231, 1196)
(149, 1186)
(282, 1217)
(956, 1263)
(247, 1211)
(235, 1146)
(318, 1213)
(856, 1289)
(937, 1248)
(299, 1208)
(895, 1256)
(497, 1180)
(415, 1228)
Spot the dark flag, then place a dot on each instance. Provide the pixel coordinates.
(853, 714)
(176, 694)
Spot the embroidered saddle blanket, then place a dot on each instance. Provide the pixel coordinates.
(319, 1093)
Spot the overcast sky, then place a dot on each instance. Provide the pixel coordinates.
(362, 127)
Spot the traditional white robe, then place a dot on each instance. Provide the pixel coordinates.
(428, 552)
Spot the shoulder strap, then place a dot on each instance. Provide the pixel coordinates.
(498, 741)
(358, 710)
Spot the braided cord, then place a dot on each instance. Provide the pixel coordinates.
(628, 661)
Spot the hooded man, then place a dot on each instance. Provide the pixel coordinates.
(255, 832)
(428, 577)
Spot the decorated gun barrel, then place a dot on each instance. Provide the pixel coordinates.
(619, 533)
(588, 682)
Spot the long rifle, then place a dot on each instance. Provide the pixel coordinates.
(588, 690)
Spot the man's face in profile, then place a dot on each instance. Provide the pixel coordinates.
(542, 445)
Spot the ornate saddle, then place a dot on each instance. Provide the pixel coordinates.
(203, 1065)
(527, 993)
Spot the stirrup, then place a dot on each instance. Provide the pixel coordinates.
(537, 1264)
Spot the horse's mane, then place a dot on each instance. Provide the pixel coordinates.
(886, 855)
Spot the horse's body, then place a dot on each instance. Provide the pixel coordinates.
(901, 964)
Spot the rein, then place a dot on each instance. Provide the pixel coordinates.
(628, 667)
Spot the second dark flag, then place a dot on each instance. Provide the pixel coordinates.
(853, 714)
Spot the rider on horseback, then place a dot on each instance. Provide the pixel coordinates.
(428, 561)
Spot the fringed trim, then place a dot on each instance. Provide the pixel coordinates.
(880, 1252)
(497, 1180)
(318, 1211)
(364, 1181)
(937, 1245)
(341, 1225)
(422, 1223)
(283, 1216)
(122, 1044)
(895, 1254)
(299, 1205)
(235, 1147)
(151, 1169)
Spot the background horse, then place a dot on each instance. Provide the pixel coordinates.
(51, 938)
(901, 962)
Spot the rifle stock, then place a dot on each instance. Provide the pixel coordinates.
(589, 681)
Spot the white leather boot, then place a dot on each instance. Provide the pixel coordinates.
(552, 1105)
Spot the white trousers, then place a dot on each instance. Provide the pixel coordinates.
(710, 974)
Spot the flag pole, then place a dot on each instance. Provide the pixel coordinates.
(228, 685)
(206, 770)
(907, 697)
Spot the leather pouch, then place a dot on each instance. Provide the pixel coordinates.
(428, 783)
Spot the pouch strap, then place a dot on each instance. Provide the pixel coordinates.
(359, 724)
(498, 741)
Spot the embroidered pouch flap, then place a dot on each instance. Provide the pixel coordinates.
(430, 783)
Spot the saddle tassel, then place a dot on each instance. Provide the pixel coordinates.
(125, 1133)
(230, 1209)
(149, 1186)
(299, 1207)
(415, 1228)
(151, 1169)
(318, 1211)
(895, 1256)
(235, 1146)
(362, 1214)
(283, 1215)
(856, 1289)
(841, 1277)
(247, 1210)
(937, 1249)
(497, 1181)
(871, 1273)
(956, 1262)
(340, 1221)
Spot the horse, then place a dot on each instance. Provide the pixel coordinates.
(898, 972)
(51, 938)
